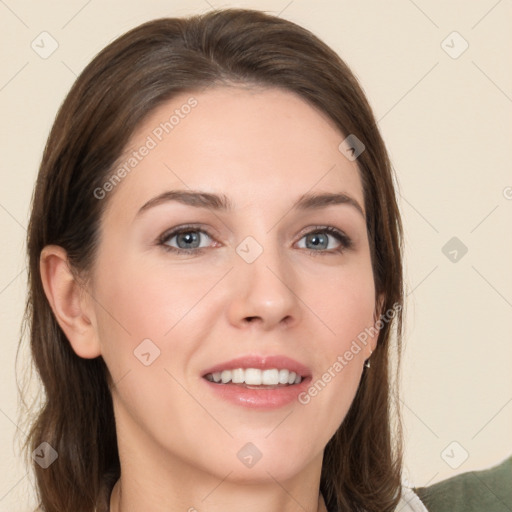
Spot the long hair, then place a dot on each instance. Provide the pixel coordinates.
(122, 85)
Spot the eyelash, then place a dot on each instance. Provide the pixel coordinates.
(345, 241)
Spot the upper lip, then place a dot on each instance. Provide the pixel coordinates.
(263, 363)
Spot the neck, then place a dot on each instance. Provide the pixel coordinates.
(119, 502)
(154, 481)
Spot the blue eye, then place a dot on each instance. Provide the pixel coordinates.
(187, 240)
(320, 242)
(191, 240)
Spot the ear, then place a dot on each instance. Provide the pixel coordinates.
(70, 302)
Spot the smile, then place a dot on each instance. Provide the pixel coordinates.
(255, 377)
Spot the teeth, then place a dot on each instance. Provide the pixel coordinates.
(255, 377)
(270, 377)
(237, 376)
(283, 376)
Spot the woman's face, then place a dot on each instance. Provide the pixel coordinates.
(255, 286)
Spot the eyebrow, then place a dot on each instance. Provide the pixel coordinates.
(220, 202)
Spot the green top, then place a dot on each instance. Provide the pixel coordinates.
(489, 490)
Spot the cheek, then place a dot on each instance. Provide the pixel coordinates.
(147, 301)
(141, 331)
(346, 307)
(135, 308)
(151, 322)
(344, 301)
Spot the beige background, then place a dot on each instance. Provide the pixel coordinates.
(448, 126)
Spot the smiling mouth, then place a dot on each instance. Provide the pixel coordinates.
(254, 378)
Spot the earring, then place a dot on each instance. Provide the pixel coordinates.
(367, 363)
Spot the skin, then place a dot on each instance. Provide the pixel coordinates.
(178, 441)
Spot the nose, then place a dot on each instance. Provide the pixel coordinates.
(263, 293)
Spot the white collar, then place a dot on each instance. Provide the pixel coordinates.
(410, 501)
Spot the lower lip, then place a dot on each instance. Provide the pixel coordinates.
(264, 398)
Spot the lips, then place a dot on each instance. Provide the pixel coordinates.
(258, 381)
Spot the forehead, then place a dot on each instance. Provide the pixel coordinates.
(248, 143)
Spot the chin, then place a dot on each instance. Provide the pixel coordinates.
(276, 467)
(258, 462)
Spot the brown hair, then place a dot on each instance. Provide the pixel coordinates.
(122, 85)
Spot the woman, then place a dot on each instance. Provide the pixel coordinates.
(215, 277)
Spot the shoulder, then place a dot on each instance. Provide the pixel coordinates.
(475, 491)
(409, 501)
